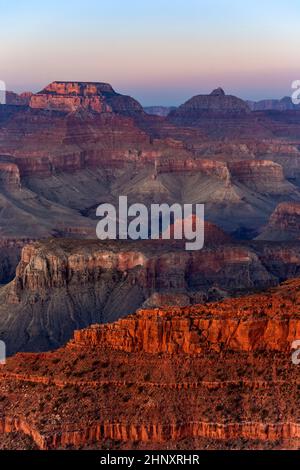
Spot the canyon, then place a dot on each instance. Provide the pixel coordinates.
(160, 347)
(75, 145)
(61, 285)
(207, 376)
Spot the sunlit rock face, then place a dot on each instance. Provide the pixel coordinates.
(213, 376)
(72, 96)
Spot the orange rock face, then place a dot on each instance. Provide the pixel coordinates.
(215, 376)
(71, 96)
(260, 322)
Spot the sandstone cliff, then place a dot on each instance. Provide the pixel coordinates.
(93, 96)
(211, 376)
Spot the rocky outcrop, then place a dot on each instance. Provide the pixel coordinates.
(92, 96)
(284, 223)
(249, 171)
(71, 96)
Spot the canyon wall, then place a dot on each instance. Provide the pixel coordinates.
(63, 285)
(208, 376)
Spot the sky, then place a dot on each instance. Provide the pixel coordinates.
(159, 51)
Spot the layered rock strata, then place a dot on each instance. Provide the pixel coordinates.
(165, 378)
(63, 285)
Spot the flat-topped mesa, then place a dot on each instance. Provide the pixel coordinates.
(78, 88)
(62, 263)
(213, 376)
(70, 96)
(48, 265)
(94, 96)
(216, 103)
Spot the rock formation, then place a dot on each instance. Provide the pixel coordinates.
(211, 376)
(284, 223)
(73, 96)
(62, 285)
(217, 103)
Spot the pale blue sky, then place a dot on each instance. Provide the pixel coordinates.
(160, 51)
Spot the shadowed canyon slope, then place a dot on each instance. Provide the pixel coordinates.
(210, 376)
(62, 285)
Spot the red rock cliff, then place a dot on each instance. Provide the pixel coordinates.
(215, 376)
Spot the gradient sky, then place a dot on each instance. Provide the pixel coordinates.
(159, 51)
